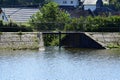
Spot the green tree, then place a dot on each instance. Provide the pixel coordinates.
(116, 4)
(50, 17)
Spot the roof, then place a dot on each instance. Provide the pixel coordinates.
(19, 14)
(103, 9)
(76, 13)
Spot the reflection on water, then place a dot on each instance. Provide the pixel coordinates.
(64, 64)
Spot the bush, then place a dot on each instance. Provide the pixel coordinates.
(13, 27)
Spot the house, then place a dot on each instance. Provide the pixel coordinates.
(101, 9)
(83, 4)
(74, 7)
(91, 7)
(91, 4)
(3, 16)
(73, 3)
(19, 14)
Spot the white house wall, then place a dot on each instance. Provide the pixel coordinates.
(67, 2)
(91, 7)
(93, 2)
(106, 1)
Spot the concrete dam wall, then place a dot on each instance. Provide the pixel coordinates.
(107, 39)
(21, 40)
(81, 40)
(97, 40)
(34, 40)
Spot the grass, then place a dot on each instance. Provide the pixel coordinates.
(112, 45)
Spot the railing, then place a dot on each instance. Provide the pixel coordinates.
(48, 27)
(29, 29)
(59, 32)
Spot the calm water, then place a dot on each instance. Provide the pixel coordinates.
(52, 64)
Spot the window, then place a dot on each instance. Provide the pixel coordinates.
(64, 2)
(71, 2)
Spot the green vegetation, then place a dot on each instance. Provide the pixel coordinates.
(99, 24)
(91, 24)
(14, 27)
(51, 18)
(113, 46)
(0, 35)
(115, 4)
(50, 40)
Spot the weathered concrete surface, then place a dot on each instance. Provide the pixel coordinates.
(81, 40)
(34, 40)
(23, 40)
(98, 40)
(106, 38)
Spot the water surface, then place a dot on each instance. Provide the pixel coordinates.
(64, 64)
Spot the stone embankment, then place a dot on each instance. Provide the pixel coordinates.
(96, 40)
(106, 39)
(34, 40)
(21, 40)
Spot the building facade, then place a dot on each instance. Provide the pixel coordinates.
(91, 4)
(88, 4)
(74, 3)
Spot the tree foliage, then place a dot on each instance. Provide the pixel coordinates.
(14, 27)
(50, 17)
(116, 4)
(98, 23)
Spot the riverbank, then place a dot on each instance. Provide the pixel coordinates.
(34, 40)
